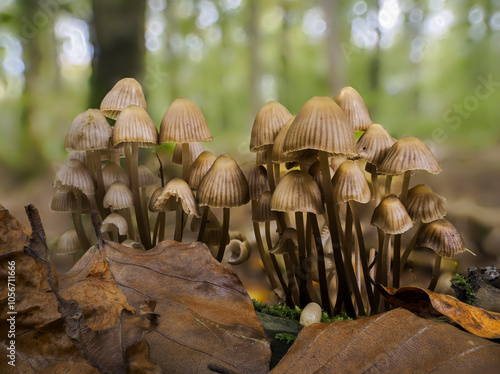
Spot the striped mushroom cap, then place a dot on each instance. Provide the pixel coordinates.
(195, 149)
(268, 122)
(135, 126)
(118, 196)
(257, 181)
(374, 144)
(349, 183)
(224, 186)
(351, 102)
(391, 217)
(423, 204)
(200, 167)
(297, 192)
(89, 131)
(442, 237)
(177, 190)
(408, 153)
(125, 92)
(75, 174)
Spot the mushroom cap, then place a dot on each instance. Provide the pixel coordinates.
(257, 181)
(224, 186)
(297, 192)
(288, 243)
(118, 196)
(424, 204)
(278, 155)
(114, 219)
(391, 217)
(135, 126)
(184, 122)
(262, 211)
(315, 172)
(310, 314)
(442, 237)
(200, 167)
(146, 176)
(268, 122)
(68, 243)
(374, 144)
(352, 104)
(240, 250)
(125, 92)
(408, 153)
(349, 183)
(195, 149)
(74, 173)
(177, 190)
(321, 125)
(64, 200)
(89, 131)
(153, 198)
(77, 155)
(112, 172)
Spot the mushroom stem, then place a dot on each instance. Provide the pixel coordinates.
(203, 223)
(375, 184)
(382, 270)
(405, 185)
(351, 276)
(334, 236)
(186, 158)
(410, 247)
(270, 169)
(145, 214)
(277, 173)
(132, 158)
(436, 270)
(388, 182)
(125, 213)
(94, 165)
(302, 273)
(323, 282)
(80, 231)
(362, 254)
(225, 232)
(396, 269)
(178, 222)
(265, 260)
(273, 257)
(161, 232)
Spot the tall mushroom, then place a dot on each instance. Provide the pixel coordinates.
(268, 122)
(224, 186)
(135, 129)
(352, 104)
(184, 123)
(125, 92)
(321, 125)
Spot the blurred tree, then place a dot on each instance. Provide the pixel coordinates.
(119, 51)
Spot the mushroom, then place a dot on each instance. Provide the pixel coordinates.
(120, 199)
(115, 221)
(321, 125)
(124, 93)
(200, 167)
(195, 149)
(423, 205)
(184, 123)
(391, 217)
(224, 186)
(373, 146)
(310, 314)
(135, 129)
(112, 172)
(268, 122)
(239, 248)
(351, 102)
(68, 248)
(177, 192)
(298, 193)
(90, 132)
(444, 239)
(350, 186)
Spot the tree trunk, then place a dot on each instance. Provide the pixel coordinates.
(333, 40)
(118, 32)
(253, 35)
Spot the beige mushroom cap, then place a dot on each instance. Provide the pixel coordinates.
(118, 196)
(75, 174)
(349, 183)
(89, 131)
(116, 220)
(391, 217)
(177, 190)
(351, 102)
(268, 122)
(258, 182)
(135, 126)
(374, 144)
(424, 204)
(125, 92)
(297, 192)
(200, 167)
(442, 237)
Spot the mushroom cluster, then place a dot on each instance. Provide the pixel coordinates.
(306, 187)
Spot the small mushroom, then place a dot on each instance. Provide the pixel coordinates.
(310, 314)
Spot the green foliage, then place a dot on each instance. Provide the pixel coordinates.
(339, 317)
(280, 310)
(285, 337)
(463, 284)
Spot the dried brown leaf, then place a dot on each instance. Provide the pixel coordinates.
(205, 313)
(477, 321)
(392, 342)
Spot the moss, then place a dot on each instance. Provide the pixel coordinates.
(280, 310)
(460, 283)
(285, 337)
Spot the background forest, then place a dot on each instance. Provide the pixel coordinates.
(429, 69)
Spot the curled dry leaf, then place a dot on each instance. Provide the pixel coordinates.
(477, 321)
(206, 316)
(52, 334)
(392, 342)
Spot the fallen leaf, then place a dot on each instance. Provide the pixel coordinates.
(477, 321)
(206, 316)
(392, 342)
